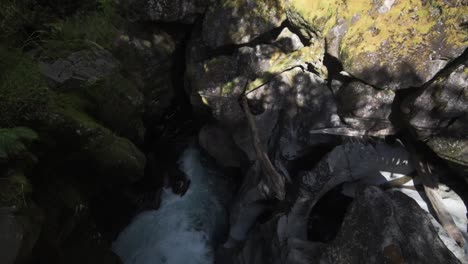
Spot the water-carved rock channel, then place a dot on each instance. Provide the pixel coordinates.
(233, 131)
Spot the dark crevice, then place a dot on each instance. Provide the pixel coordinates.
(326, 217)
(229, 50)
(297, 31)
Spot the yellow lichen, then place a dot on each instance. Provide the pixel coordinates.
(407, 24)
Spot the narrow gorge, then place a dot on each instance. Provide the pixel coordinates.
(233, 131)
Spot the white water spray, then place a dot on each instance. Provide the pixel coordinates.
(184, 230)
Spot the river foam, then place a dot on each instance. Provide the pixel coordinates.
(184, 230)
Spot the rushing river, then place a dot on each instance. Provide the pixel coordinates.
(184, 230)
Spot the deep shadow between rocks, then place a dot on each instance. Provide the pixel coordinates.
(326, 217)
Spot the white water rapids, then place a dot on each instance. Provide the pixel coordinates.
(184, 230)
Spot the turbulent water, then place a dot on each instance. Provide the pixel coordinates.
(184, 230)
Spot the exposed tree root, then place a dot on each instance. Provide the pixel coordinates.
(273, 181)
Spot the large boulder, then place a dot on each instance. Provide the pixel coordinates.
(438, 114)
(386, 228)
(389, 44)
(283, 80)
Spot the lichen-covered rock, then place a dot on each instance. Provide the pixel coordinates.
(166, 10)
(387, 43)
(241, 21)
(365, 108)
(386, 228)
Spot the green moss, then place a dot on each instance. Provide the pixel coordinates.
(24, 96)
(15, 190)
(100, 27)
(116, 157)
(14, 142)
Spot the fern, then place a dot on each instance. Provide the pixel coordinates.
(15, 141)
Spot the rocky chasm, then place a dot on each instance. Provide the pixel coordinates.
(233, 131)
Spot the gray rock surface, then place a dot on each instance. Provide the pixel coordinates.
(365, 108)
(81, 66)
(386, 228)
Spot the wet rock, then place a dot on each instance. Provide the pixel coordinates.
(239, 22)
(365, 108)
(166, 10)
(389, 44)
(218, 142)
(386, 227)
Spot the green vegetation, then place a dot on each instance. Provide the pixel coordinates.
(14, 190)
(15, 141)
(97, 27)
(23, 93)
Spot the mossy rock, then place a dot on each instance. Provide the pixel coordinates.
(116, 158)
(118, 105)
(390, 44)
(24, 95)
